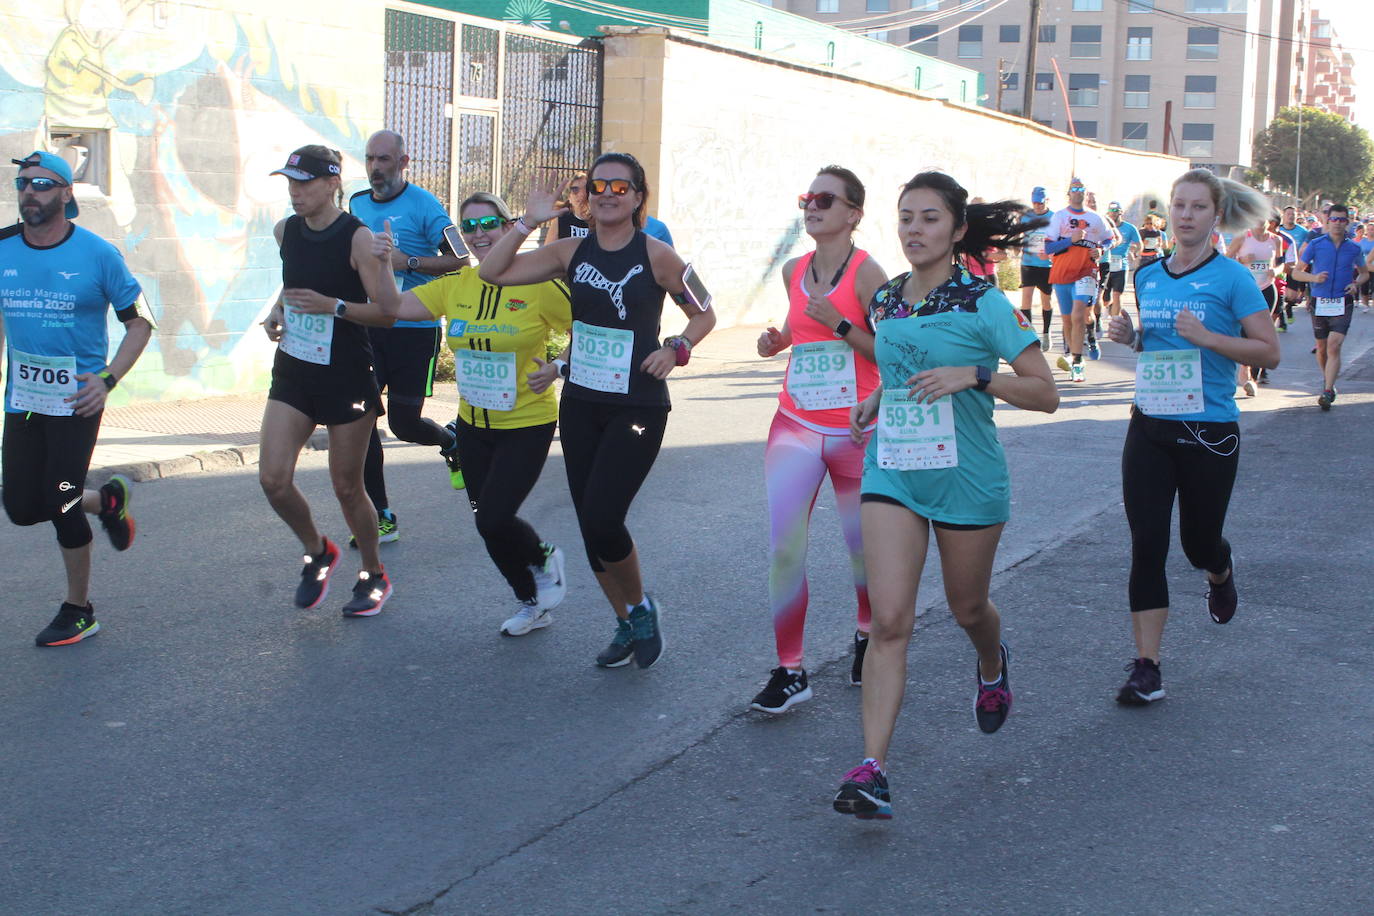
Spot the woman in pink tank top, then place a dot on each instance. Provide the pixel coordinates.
(830, 369)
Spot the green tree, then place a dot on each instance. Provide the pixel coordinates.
(1337, 156)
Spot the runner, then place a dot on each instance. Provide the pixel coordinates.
(507, 411)
(1093, 325)
(404, 356)
(1035, 267)
(1183, 439)
(60, 282)
(1075, 236)
(830, 370)
(936, 460)
(1258, 250)
(1297, 235)
(322, 374)
(615, 404)
(1334, 266)
(1119, 257)
(1364, 237)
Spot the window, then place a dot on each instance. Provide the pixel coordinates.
(1087, 6)
(1138, 42)
(1011, 81)
(758, 36)
(1216, 6)
(1202, 43)
(1197, 141)
(1086, 130)
(1137, 91)
(1045, 122)
(879, 35)
(1044, 82)
(1047, 34)
(927, 5)
(1199, 92)
(827, 6)
(1135, 134)
(1083, 89)
(918, 77)
(923, 40)
(1321, 30)
(1140, 6)
(970, 41)
(1086, 41)
(1009, 34)
(878, 6)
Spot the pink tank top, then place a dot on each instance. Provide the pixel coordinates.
(807, 330)
(1252, 253)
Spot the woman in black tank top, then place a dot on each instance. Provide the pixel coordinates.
(322, 373)
(615, 400)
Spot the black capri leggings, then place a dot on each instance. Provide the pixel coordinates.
(608, 451)
(1196, 460)
(500, 467)
(45, 463)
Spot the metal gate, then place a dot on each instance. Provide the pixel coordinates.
(486, 106)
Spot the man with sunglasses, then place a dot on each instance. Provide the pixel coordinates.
(404, 356)
(1334, 266)
(1076, 234)
(58, 282)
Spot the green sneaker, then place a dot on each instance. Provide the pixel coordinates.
(450, 456)
(388, 531)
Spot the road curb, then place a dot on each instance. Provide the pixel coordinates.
(195, 463)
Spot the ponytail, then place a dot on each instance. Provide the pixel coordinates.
(1238, 206)
(994, 225)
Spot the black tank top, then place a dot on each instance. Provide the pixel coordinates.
(320, 261)
(617, 289)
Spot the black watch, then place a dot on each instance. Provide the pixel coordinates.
(984, 376)
(108, 378)
(412, 263)
(843, 328)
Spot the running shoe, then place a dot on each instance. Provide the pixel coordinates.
(1063, 363)
(1325, 399)
(1221, 596)
(1250, 389)
(1094, 352)
(1283, 329)
(648, 636)
(992, 702)
(1264, 377)
(1044, 343)
(369, 594)
(450, 454)
(856, 668)
(1144, 686)
(621, 649)
(114, 511)
(1076, 373)
(550, 586)
(388, 529)
(864, 794)
(528, 616)
(783, 691)
(315, 576)
(71, 625)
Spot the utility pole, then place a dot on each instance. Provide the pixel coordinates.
(1001, 81)
(1297, 167)
(1168, 123)
(1032, 39)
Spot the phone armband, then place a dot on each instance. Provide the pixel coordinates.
(694, 292)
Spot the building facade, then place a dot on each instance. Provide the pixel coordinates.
(1329, 83)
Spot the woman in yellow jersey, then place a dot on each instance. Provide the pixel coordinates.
(498, 336)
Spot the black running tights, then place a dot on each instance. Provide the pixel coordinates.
(407, 425)
(45, 462)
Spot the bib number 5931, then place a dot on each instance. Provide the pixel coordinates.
(913, 436)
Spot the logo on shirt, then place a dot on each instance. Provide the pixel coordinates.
(457, 327)
(1021, 320)
(11, 272)
(516, 305)
(588, 274)
(68, 276)
(1196, 285)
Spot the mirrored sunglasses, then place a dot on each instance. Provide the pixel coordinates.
(618, 186)
(38, 184)
(488, 223)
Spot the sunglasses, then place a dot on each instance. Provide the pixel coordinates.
(1076, 188)
(471, 225)
(1338, 219)
(618, 186)
(823, 200)
(38, 184)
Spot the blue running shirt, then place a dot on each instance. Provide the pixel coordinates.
(1033, 252)
(418, 222)
(1129, 236)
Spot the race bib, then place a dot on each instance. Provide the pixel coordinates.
(601, 358)
(1329, 308)
(1169, 382)
(41, 384)
(821, 375)
(1116, 263)
(1086, 286)
(1151, 244)
(308, 337)
(1035, 244)
(1259, 270)
(916, 437)
(486, 380)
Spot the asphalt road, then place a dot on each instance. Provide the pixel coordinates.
(214, 750)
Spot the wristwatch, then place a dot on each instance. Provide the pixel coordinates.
(340, 308)
(681, 347)
(108, 378)
(843, 328)
(412, 263)
(984, 376)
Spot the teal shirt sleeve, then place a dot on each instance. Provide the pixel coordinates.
(1006, 331)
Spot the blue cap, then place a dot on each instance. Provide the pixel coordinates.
(1038, 195)
(55, 164)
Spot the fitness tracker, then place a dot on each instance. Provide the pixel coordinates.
(984, 376)
(843, 328)
(108, 378)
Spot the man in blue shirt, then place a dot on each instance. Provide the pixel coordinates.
(1035, 266)
(57, 283)
(1334, 266)
(1120, 256)
(657, 229)
(404, 356)
(1364, 237)
(1297, 237)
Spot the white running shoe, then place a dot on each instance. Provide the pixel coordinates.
(1250, 390)
(549, 583)
(527, 617)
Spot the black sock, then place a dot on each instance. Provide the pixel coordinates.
(1046, 319)
(1027, 314)
(1077, 358)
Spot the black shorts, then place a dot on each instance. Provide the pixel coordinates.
(329, 401)
(1039, 277)
(404, 360)
(1367, 288)
(1323, 326)
(45, 463)
(946, 526)
(1116, 281)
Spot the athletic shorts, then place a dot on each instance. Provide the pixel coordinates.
(329, 402)
(1322, 326)
(1116, 281)
(1039, 277)
(45, 460)
(1367, 288)
(893, 501)
(404, 360)
(1067, 296)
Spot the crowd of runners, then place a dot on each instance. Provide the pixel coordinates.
(889, 389)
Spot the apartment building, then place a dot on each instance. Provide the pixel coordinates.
(1216, 70)
(1329, 83)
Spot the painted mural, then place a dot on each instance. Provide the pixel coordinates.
(183, 110)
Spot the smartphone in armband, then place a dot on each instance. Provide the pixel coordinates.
(455, 242)
(694, 292)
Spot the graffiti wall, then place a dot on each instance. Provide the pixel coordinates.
(174, 114)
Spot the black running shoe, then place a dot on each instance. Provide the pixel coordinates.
(1221, 596)
(315, 576)
(784, 691)
(71, 625)
(369, 594)
(621, 649)
(1144, 686)
(992, 703)
(1325, 398)
(864, 794)
(648, 636)
(114, 511)
(856, 667)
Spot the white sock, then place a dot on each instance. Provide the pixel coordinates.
(794, 671)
